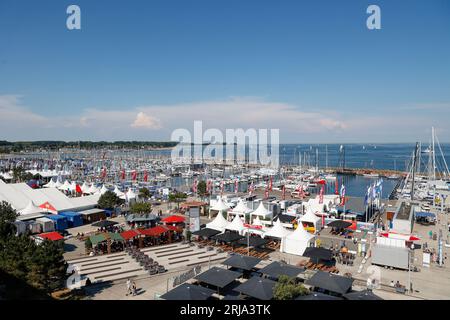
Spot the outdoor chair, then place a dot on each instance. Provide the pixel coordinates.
(153, 271)
(161, 269)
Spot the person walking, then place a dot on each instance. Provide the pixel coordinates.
(133, 288)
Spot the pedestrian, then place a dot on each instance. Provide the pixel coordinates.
(128, 286)
(133, 288)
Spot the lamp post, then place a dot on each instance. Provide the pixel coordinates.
(410, 256)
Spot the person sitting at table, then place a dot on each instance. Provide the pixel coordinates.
(398, 285)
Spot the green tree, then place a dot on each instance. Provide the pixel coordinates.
(287, 289)
(141, 207)
(7, 216)
(109, 200)
(144, 193)
(201, 189)
(177, 198)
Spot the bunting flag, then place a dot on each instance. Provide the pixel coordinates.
(123, 175)
(104, 173)
(284, 193)
(266, 193)
(323, 220)
(145, 176)
(270, 183)
(134, 175)
(236, 186)
(194, 186)
(342, 195)
(221, 187)
(208, 186)
(336, 186)
(251, 189)
(322, 189)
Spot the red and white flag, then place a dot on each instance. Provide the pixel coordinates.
(194, 186)
(104, 173)
(208, 186)
(221, 186)
(284, 193)
(145, 176)
(134, 175)
(270, 183)
(251, 188)
(322, 190)
(336, 187)
(266, 193)
(342, 195)
(123, 174)
(236, 186)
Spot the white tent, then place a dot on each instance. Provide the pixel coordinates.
(219, 206)
(240, 210)
(103, 189)
(73, 186)
(219, 223)
(261, 211)
(31, 208)
(65, 186)
(58, 183)
(130, 195)
(85, 187)
(93, 189)
(310, 217)
(297, 242)
(277, 231)
(50, 184)
(236, 225)
(119, 193)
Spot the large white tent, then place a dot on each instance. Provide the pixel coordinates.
(103, 189)
(93, 189)
(130, 195)
(277, 231)
(220, 206)
(241, 209)
(261, 211)
(310, 218)
(219, 223)
(50, 184)
(297, 242)
(85, 187)
(31, 208)
(119, 193)
(236, 225)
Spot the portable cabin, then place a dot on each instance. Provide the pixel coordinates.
(47, 224)
(74, 219)
(60, 221)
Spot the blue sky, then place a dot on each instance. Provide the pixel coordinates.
(139, 69)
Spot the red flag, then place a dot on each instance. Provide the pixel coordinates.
(323, 220)
(284, 193)
(221, 187)
(208, 186)
(104, 173)
(194, 186)
(134, 175)
(250, 188)
(266, 193)
(270, 183)
(336, 186)
(123, 174)
(78, 189)
(145, 176)
(236, 186)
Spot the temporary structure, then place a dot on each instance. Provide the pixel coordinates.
(219, 206)
(240, 210)
(130, 195)
(93, 189)
(50, 184)
(65, 186)
(261, 211)
(103, 189)
(236, 225)
(277, 231)
(297, 242)
(85, 187)
(31, 208)
(219, 223)
(119, 193)
(310, 218)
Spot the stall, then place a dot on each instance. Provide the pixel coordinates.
(74, 219)
(61, 223)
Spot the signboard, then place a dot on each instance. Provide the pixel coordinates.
(194, 224)
(426, 259)
(194, 212)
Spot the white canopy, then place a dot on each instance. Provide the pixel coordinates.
(119, 193)
(220, 205)
(262, 211)
(58, 183)
(85, 187)
(130, 194)
(297, 242)
(310, 217)
(31, 208)
(93, 189)
(277, 231)
(65, 186)
(50, 184)
(219, 223)
(241, 208)
(103, 189)
(236, 224)
(73, 186)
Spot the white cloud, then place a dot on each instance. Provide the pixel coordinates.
(143, 120)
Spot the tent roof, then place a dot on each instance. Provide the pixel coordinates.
(277, 268)
(330, 282)
(53, 236)
(227, 237)
(318, 253)
(173, 219)
(309, 216)
(261, 211)
(206, 232)
(257, 287)
(219, 223)
(241, 262)
(236, 224)
(129, 234)
(97, 238)
(277, 231)
(218, 277)
(241, 208)
(188, 292)
(220, 205)
(253, 241)
(31, 208)
(300, 234)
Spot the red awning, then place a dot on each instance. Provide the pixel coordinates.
(173, 219)
(54, 236)
(173, 228)
(127, 235)
(155, 231)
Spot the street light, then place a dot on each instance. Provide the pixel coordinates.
(410, 251)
